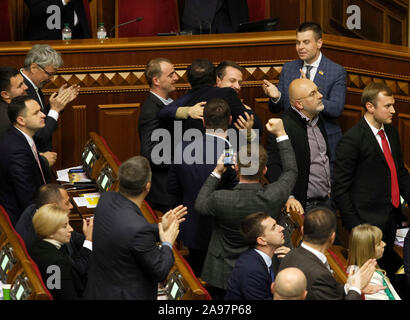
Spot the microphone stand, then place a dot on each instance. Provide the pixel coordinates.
(125, 23)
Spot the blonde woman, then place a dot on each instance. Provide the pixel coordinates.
(366, 243)
(51, 224)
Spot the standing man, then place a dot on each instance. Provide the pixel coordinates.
(229, 75)
(43, 15)
(370, 174)
(327, 75)
(252, 277)
(22, 170)
(229, 207)
(304, 125)
(161, 78)
(11, 85)
(40, 66)
(126, 262)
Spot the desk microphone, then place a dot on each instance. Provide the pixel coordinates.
(123, 24)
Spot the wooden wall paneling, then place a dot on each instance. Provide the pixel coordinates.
(80, 132)
(350, 116)
(262, 110)
(289, 12)
(404, 133)
(121, 119)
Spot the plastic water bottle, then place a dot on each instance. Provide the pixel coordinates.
(66, 32)
(101, 32)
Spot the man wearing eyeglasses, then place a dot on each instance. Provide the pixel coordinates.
(306, 130)
(40, 66)
(313, 65)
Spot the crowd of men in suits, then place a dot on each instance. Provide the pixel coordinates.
(228, 214)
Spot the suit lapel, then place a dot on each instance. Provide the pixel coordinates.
(371, 139)
(320, 74)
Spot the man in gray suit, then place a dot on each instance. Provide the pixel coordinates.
(319, 232)
(229, 207)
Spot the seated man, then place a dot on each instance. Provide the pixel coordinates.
(229, 207)
(22, 171)
(253, 274)
(290, 284)
(319, 232)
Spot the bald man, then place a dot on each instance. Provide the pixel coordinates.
(290, 284)
(305, 127)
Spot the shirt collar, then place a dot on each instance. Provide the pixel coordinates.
(164, 101)
(373, 128)
(265, 257)
(314, 64)
(318, 254)
(54, 242)
(219, 137)
(28, 79)
(28, 138)
(311, 122)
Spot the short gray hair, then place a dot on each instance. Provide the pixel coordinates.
(43, 55)
(134, 174)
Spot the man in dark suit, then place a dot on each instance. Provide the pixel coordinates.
(11, 85)
(40, 66)
(80, 246)
(202, 78)
(44, 14)
(370, 174)
(406, 259)
(161, 77)
(327, 75)
(304, 125)
(187, 176)
(319, 232)
(252, 277)
(229, 207)
(22, 171)
(214, 16)
(126, 262)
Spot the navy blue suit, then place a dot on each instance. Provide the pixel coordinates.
(331, 79)
(250, 278)
(20, 175)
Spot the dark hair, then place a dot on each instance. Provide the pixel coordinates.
(49, 193)
(221, 68)
(251, 227)
(248, 156)
(153, 69)
(371, 92)
(217, 114)
(319, 224)
(134, 174)
(313, 26)
(201, 73)
(6, 73)
(17, 107)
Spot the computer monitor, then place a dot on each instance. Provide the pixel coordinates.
(257, 26)
(89, 157)
(105, 180)
(175, 288)
(7, 261)
(21, 288)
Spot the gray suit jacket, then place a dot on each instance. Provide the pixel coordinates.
(229, 207)
(321, 285)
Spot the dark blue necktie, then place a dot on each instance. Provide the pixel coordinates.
(272, 274)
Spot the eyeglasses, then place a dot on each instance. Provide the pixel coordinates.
(50, 74)
(311, 94)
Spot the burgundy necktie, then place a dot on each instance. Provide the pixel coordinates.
(38, 161)
(395, 193)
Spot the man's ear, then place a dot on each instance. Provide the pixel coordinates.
(218, 81)
(148, 186)
(298, 105)
(260, 241)
(21, 121)
(155, 81)
(319, 43)
(265, 170)
(4, 95)
(369, 107)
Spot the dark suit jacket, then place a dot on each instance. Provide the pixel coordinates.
(20, 176)
(229, 207)
(149, 122)
(406, 257)
(321, 285)
(362, 186)
(198, 12)
(205, 94)
(45, 254)
(78, 255)
(331, 79)
(126, 262)
(44, 136)
(5, 123)
(250, 279)
(37, 25)
(296, 128)
(187, 179)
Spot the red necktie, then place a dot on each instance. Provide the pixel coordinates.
(38, 161)
(395, 193)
